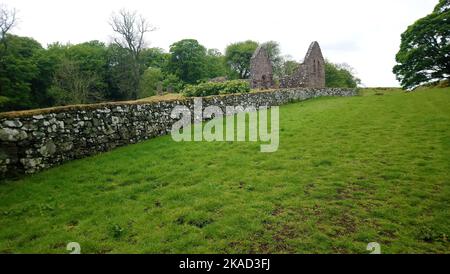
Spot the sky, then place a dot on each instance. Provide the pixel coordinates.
(362, 33)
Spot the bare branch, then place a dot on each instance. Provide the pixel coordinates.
(131, 29)
(7, 20)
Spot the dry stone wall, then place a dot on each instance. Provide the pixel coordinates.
(31, 141)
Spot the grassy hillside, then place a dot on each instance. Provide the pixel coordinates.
(348, 171)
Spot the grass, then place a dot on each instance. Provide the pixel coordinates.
(348, 171)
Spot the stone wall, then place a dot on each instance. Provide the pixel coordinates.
(38, 139)
(311, 73)
(261, 72)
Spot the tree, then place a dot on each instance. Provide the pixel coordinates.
(442, 6)
(71, 85)
(151, 78)
(424, 54)
(288, 67)
(7, 21)
(188, 61)
(172, 83)
(340, 76)
(121, 85)
(131, 29)
(274, 52)
(19, 72)
(215, 64)
(80, 74)
(155, 57)
(238, 55)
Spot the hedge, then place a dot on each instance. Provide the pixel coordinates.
(211, 88)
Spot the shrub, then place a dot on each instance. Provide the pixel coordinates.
(206, 89)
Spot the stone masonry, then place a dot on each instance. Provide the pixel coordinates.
(311, 73)
(261, 73)
(38, 139)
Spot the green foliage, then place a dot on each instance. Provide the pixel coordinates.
(340, 76)
(188, 61)
(288, 68)
(172, 83)
(19, 72)
(424, 51)
(81, 73)
(238, 57)
(215, 64)
(151, 78)
(210, 88)
(4, 102)
(442, 6)
(155, 58)
(72, 85)
(120, 73)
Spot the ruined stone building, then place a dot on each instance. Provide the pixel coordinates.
(261, 73)
(311, 73)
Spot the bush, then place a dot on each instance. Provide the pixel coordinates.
(206, 89)
(172, 83)
(149, 82)
(340, 76)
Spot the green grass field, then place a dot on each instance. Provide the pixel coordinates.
(349, 171)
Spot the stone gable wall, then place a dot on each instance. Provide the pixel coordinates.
(261, 72)
(311, 73)
(36, 140)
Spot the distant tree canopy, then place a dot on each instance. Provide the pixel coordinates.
(238, 55)
(21, 80)
(424, 54)
(288, 67)
(340, 76)
(80, 75)
(215, 64)
(274, 52)
(188, 60)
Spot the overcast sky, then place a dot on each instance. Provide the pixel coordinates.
(363, 33)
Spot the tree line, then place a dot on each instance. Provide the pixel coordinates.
(33, 76)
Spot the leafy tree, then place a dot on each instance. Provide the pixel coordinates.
(46, 65)
(92, 58)
(155, 58)
(188, 61)
(19, 72)
(120, 74)
(151, 78)
(340, 75)
(424, 54)
(288, 67)
(172, 83)
(274, 52)
(215, 64)
(238, 55)
(81, 73)
(72, 85)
